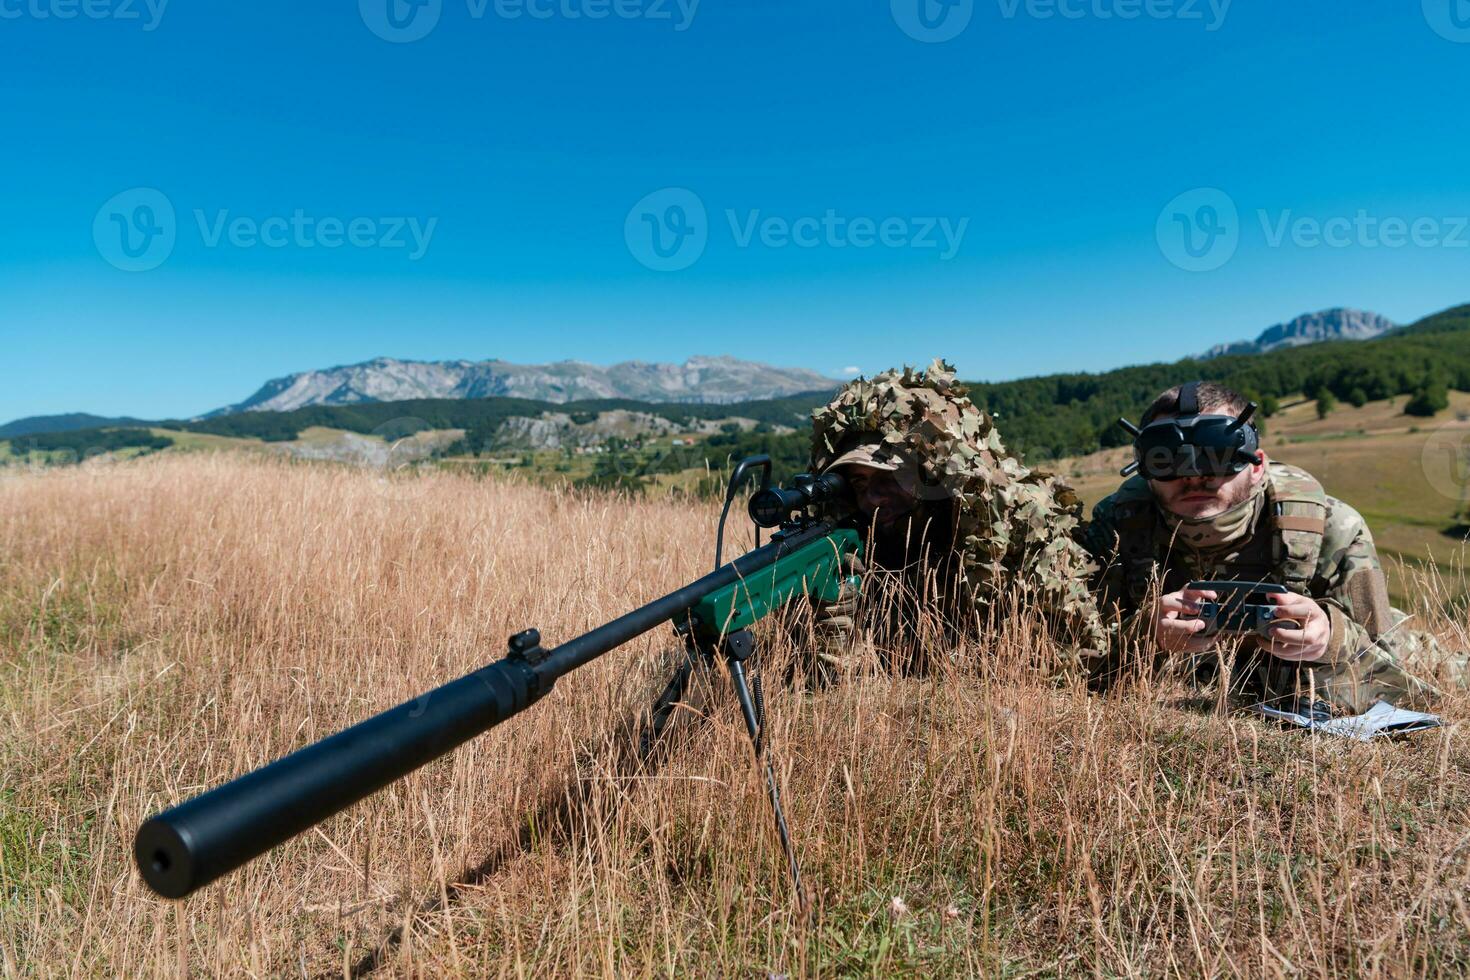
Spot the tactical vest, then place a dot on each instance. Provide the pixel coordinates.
(1285, 553)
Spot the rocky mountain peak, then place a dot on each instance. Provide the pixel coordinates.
(1339, 323)
(702, 379)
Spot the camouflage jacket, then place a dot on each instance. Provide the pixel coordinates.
(1014, 525)
(1304, 539)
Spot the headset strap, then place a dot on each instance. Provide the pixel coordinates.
(1189, 398)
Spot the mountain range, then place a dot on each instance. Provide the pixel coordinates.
(699, 380)
(1338, 323)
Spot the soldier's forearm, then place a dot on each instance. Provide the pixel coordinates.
(1348, 636)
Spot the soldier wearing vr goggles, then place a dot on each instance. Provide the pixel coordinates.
(1202, 502)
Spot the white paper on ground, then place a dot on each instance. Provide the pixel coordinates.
(1381, 719)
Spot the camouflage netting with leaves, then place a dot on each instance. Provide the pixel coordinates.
(1015, 523)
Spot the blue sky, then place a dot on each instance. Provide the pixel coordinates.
(536, 147)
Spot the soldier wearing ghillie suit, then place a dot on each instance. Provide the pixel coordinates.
(954, 525)
(1343, 648)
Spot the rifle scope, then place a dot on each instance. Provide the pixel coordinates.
(778, 506)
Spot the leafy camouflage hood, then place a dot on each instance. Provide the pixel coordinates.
(1015, 524)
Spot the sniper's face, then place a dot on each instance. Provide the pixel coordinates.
(1197, 498)
(880, 497)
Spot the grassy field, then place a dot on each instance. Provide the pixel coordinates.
(170, 622)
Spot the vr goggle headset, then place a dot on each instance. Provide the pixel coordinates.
(1194, 445)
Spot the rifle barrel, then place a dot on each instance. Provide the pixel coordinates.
(185, 848)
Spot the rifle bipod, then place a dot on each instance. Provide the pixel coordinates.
(736, 648)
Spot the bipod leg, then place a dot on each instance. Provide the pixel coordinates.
(665, 704)
(738, 647)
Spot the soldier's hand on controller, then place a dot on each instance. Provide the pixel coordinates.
(1176, 621)
(1307, 641)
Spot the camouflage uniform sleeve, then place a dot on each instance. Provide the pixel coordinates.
(1349, 584)
(1364, 661)
(1109, 578)
(826, 650)
(1099, 538)
(1099, 535)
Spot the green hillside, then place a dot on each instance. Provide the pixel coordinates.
(76, 445)
(63, 423)
(1068, 415)
(1074, 414)
(483, 415)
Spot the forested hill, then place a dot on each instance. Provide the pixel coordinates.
(485, 414)
(1071, 414)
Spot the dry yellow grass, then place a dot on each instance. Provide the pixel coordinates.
(172, 622)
